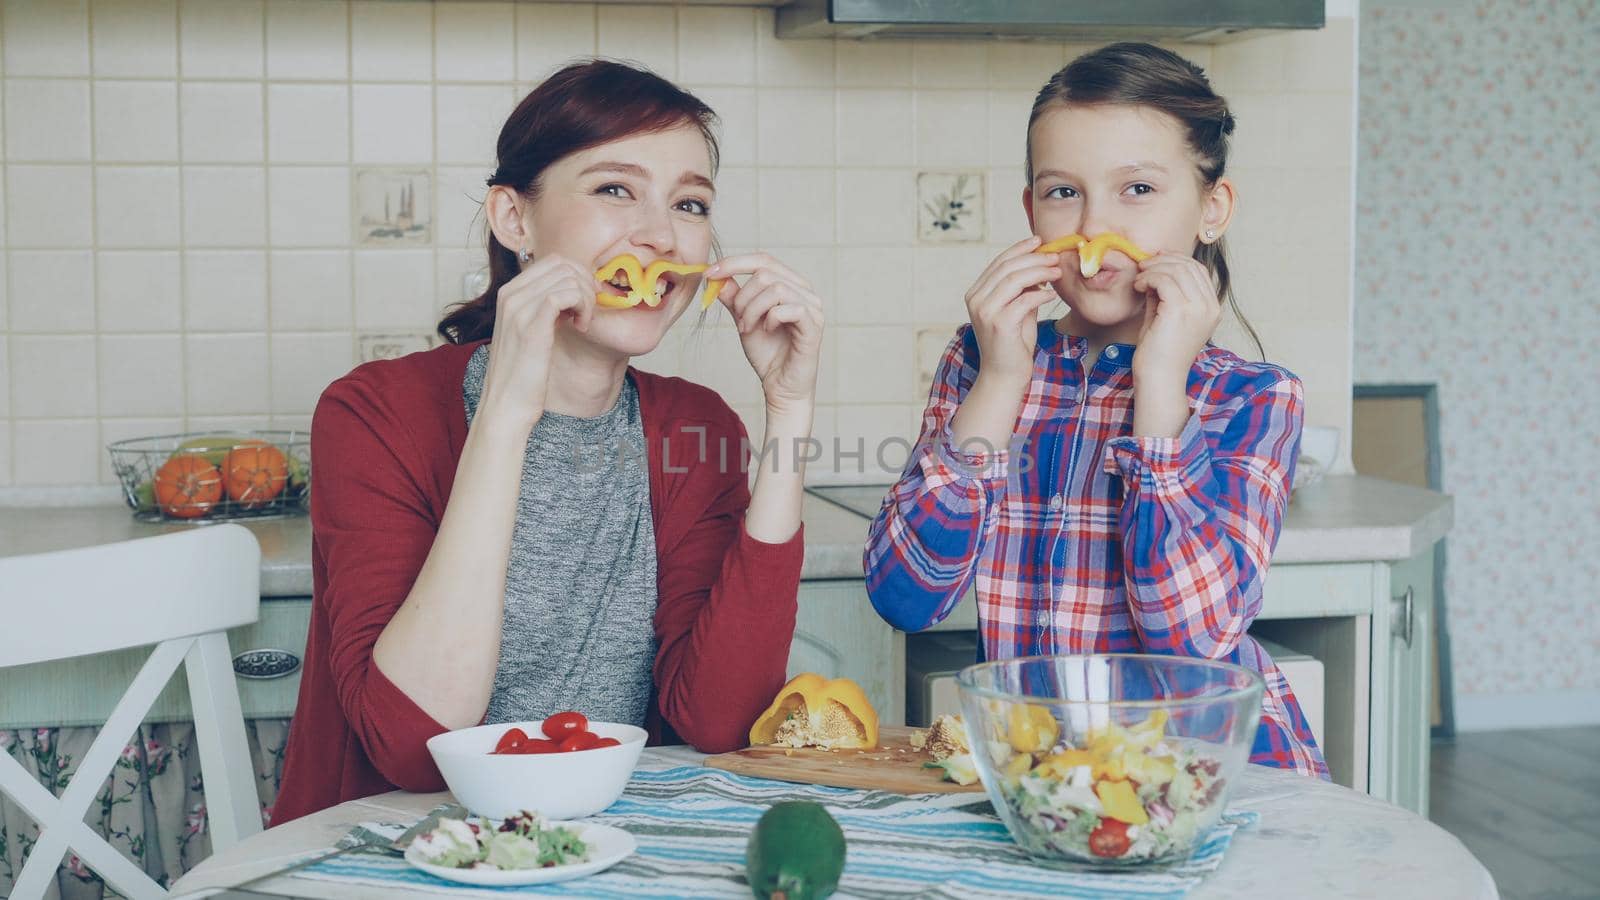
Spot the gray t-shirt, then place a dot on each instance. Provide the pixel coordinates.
(580, 605)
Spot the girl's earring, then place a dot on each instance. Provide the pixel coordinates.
(1211, 234)
(524, 256)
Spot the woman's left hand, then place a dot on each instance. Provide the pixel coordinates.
(780, 320)
(1181, 313)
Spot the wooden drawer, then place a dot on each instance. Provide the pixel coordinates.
(83, 691)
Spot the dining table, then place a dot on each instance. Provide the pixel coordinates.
(1309, 839)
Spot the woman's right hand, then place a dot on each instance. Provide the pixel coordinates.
(1003, 305)
(526, 311)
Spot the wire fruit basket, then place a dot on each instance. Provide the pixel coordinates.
(211, 477)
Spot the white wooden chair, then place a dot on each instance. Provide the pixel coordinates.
(180, 592)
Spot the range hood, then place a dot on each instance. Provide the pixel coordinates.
(1209, 21)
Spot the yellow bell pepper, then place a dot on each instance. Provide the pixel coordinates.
(642, 281)
(1092, 251)
(1033, 729)
(1060, 765)
(1121, 802)
(813, 712)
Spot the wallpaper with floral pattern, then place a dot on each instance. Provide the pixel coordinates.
(1478, 261)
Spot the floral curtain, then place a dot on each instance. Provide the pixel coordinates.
(151, 807)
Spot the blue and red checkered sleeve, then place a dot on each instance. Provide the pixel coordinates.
(1201, 514)
(924, 545)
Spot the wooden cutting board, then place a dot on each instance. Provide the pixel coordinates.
(894, 766)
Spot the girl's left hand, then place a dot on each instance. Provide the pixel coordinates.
(1181, 312)
(780, 320)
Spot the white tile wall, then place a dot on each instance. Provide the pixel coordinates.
(47, 119)
(225, 290)
(46, 37)
(309, 123)
(307, 39)
(136, 206)
(58, 287)
(49, 206)
(177, 249)
(393, 123)
(221, 38)
(141, 375)
(135, 38)
(310, 290)
(139, 290)
(642, 34)
(135, 121)
(222, 122)
(226, 374)
(309, 206)
(391, 41)
(224, 206)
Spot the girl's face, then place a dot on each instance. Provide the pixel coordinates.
(1120, 168)
(649, 195)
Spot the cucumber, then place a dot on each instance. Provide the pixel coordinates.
(796, 852)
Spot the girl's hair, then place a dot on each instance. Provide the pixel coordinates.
(579, 107)
(1140, 74)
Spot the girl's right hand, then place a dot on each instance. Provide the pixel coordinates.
(526, 311)
(1003, 305)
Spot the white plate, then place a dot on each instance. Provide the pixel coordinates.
(607, 847)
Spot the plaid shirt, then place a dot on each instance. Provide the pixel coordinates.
(1085, 539)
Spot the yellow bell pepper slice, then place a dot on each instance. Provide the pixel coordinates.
(1092, 251)
(1061, 764)
(642, 281)
(831, 714)
(1063, 244)
(1033, 729)
(1121, 802)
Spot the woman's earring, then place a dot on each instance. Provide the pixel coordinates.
(525, 256)
(1211, 234)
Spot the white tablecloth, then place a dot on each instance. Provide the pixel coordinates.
(1314, 840)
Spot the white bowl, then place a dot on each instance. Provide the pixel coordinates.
(555, 785)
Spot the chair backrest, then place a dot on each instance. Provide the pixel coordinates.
(180, 592)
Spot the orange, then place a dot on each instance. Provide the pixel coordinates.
(257, 472)
(187, 486)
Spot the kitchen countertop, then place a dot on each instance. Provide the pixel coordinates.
(1342, 518)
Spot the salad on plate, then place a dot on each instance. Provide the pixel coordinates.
(520, 842)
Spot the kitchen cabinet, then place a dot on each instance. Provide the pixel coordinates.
(83, 691)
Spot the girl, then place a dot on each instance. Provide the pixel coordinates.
(1112, 480)
(518, 522)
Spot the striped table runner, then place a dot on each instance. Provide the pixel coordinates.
(692, 824)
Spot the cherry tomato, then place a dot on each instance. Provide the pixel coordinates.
(511, 740)
(1110, 839)
(537, 745)
(583, 740)
(606, 742)
(563, 724)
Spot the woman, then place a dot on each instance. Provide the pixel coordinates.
(518, 522)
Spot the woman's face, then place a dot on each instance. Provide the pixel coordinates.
(1115, 168)
(649, 195)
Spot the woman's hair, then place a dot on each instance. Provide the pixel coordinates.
(581, 106)
(1139, 74)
